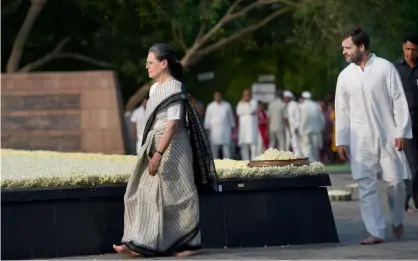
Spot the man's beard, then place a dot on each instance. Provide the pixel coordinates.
(356, 58)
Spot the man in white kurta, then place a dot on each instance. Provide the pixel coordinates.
(277, 116)
(138, 120)
(248, 126)
(312, 124)
(372, 123)
(219, 121)
(293, 116)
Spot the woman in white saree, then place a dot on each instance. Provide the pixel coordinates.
(175, 162)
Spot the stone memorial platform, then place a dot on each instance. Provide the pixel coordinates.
(87, 220)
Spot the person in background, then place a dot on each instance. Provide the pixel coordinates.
(408, 71)
(138, 121)
(334, 147)
(219, 121)
(372, 123)
(235, 152)
(248, 126)
(293, 116)
(327, 134)
(198, 105)
(263, 129)
(312, 125)
(277, 117)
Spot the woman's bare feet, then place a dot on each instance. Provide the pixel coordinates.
(397, 231)
(371, 240)
(121, 249)
(186, 253)
(411, 210)
(124, 250)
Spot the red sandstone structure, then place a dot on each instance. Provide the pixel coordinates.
(65, 111)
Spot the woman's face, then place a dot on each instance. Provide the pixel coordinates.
(155, 67)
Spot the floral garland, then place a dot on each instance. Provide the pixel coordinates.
(45, 168)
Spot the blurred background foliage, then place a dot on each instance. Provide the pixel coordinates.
(298, 41)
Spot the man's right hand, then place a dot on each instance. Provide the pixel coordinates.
(344, 152)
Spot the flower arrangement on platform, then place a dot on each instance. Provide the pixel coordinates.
(238, 168)
(274, 154)
(21, 168)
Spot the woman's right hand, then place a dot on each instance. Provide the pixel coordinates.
(154, 164)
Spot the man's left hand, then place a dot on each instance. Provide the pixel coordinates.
(400, 144)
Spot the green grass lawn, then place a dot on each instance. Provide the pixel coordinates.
(338, 168)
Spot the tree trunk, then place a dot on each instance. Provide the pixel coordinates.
(196, 52)
(139, 94)
(20, 41)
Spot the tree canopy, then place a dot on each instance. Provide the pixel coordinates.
(298, 41)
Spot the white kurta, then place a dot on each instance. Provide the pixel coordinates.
(277, 114)
(248, 123)
(311, 127)
(139, 118)
(312, 120)
(219, 120)
(293, 113)
(371, 111)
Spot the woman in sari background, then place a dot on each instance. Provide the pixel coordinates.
(175, 162)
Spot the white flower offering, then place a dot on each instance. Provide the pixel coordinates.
(274, 154)
(21, 168)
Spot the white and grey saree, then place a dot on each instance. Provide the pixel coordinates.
(162, 211)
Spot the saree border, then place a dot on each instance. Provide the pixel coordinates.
(178, 246)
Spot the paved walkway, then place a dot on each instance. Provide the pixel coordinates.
(350, 231)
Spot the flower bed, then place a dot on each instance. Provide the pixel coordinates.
(64, 219)
(45, 168)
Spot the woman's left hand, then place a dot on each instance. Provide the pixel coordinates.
(154, 164)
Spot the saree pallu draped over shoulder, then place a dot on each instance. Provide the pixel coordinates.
(162, 211)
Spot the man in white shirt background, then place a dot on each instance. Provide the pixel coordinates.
(311, 127)
(372, 123)
(277, 116)
(248, 126)
(138, 121)
(219, 121)
(293, 117)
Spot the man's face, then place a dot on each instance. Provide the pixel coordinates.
(351, 52)
(410, 52)
(246, 95)
(217, 97)
(286, 99)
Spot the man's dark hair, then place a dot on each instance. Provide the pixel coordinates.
(413, 38)
(359, 37)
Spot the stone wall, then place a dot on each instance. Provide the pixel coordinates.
(66, 111)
